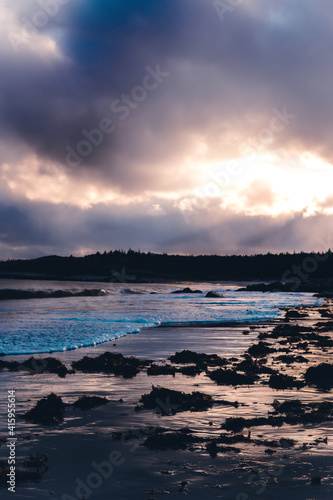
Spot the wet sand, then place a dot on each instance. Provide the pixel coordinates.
(77, 447)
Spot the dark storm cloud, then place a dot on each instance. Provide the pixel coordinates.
(36, 228)
(221, 82)
(224, 76)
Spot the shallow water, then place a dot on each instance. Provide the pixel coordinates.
(57, 324)
(87, 436)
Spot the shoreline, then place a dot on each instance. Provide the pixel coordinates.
(87, 437)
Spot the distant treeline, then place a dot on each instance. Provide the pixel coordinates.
(120, 265)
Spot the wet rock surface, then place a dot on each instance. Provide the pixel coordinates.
(231, 377)
(168, 401)
(48, 411)
(109, 362)
(188, 357)
(321, 376)
(37, 365)
(89, 402)
(213, 295)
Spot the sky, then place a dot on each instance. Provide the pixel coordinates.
(179, 126)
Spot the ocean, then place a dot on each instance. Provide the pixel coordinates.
(32, 326)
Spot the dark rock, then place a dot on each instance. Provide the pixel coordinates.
(289, 406)
(187, 290)
(280, 381)
(170, 402)
(260, 349)
(11, 294)
(326, 313)
(250, 365)
(214, 295)
(288, 359)
(231, 377)
(213, 448)
(237, 424)
(190, 370)
(109, 362)
(48, 411)
(185, 356)
(89, 402)
(321, 376)
(276, 286)
(170, 441)
(161, 370)
(316, 480)
(295, 314)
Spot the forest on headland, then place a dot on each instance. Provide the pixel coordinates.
(137, 266)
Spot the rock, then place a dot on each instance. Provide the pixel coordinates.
(170, 441)
(191, 371)
(186, 356)
(187, 290)
(237, 424)
(295, 314)
(231, 377)
(48, 411)
(276, 286)
(316, 480)
(161, 370)
(260, 349)
(37, 365)
(250, 365)
(280, 381)
(213, 448)
(109, 362)
(214, 295)
(288, 359)
(170, 402)
(89, 402)
(321, 376)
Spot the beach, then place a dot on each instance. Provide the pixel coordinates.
(99, 453)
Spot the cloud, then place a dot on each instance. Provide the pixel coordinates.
(259, 82)
(36, 228)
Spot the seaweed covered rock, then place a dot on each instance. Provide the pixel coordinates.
(280, 381)
(289, 358)
(237, 424)
(45, 365)
(260, 349)
(288, 406)
(250, 365)
(213, 448)
(321, 376)
(37, 365)
(190, 370)
(89, 402)
(297, 412)
(189, 357)
(231, 377)
(293, 313)
(170, 441)
(169, 402)
(161, 370)
(291, 332)
(214, 295)
(109, 362)
(48, 411)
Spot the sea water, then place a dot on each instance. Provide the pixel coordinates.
(59, 324)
